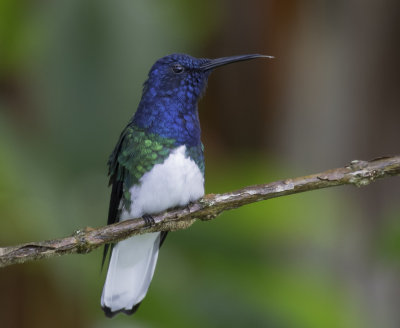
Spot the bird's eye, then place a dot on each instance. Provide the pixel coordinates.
(177, 68)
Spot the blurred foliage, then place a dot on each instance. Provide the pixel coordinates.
(71, 76)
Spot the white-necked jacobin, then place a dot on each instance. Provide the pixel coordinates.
(158, 163)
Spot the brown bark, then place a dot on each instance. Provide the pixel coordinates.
(358, 173)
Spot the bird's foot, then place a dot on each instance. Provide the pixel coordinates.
(149, 220)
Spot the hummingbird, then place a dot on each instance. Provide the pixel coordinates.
(157, 164)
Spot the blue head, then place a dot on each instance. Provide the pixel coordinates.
(169, 102)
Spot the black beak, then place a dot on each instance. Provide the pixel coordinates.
(213, 63)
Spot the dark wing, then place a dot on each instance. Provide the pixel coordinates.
(116, 173)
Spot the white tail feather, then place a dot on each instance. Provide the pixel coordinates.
(130, 271)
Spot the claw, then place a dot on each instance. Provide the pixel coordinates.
(149, 221)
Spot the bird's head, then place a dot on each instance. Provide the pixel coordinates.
(169, 102)
(185, 77)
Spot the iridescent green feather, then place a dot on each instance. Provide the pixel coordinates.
(136, 153)
(196, 153)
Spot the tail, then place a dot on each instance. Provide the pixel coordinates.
(129, 273)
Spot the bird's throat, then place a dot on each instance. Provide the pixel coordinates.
(170, 118)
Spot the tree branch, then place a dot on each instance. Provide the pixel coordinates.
(358, 173)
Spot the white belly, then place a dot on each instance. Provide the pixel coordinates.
(175, 182)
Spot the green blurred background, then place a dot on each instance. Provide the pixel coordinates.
(71, 74)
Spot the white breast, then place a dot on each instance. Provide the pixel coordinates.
(175, 182)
